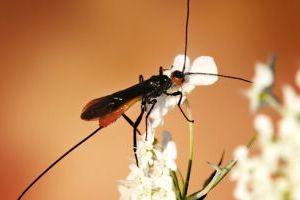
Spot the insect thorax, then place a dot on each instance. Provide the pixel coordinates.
(157, 85)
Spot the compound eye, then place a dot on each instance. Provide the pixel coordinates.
(177, 74)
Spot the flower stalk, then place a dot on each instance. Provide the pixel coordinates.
(176, 185)
(191, 149)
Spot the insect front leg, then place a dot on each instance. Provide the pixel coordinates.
(153, 102)
(179, 103)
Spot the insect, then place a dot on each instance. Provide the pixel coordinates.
(108, 109)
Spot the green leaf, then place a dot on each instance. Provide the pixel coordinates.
(217, 175)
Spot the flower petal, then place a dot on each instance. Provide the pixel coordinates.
(172, 101)
(157, 122)
(253, 95)
(171, 151)
(291, 99)
(187, 88)
(241, 153)
(179, 61)
(263, 76)
(264, 126)
(203, 64)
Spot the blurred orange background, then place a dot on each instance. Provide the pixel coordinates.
(58, 55)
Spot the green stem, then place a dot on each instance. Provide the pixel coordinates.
(221, 172)
(191, 150)
(273, 102)
(176, 184)
(181, 177)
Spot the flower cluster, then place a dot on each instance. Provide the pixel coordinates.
(154, 177)
(272, 172)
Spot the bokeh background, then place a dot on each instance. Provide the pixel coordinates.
(57, 55)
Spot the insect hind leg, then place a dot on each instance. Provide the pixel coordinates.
(130, 122)
(179, 104)
(153, 102)
(135, 125)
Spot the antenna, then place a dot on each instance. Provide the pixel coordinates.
(186, 32)
(220, 75)
(185, 52)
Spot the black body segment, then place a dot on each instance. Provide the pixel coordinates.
(147, 90)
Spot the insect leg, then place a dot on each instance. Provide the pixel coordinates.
(141, 78)
(130, 122)
(179, 103)
(153, 102)
(161, 70)
(135, 125)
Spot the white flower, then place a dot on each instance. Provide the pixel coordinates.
(145, 153)
(264, 126)
(202, 64)
(168, 156)
(291, 100)
(241, 153)
(152, 179)
(272, 172)
(263, 79)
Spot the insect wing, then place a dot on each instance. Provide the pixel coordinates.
(120, 100)
(97, 108)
